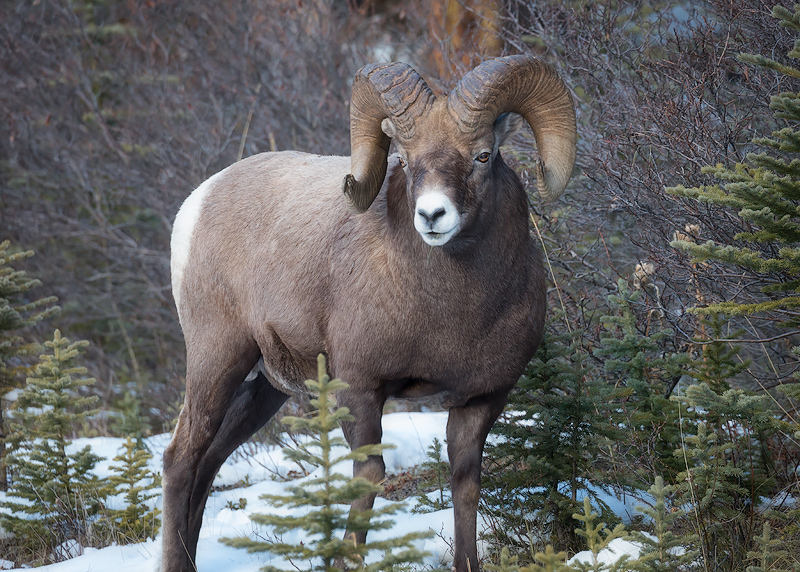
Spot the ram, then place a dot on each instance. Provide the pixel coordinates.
(415, 274)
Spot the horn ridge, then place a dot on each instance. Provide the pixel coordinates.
(404, 93)
(385, 90)
(528, 86)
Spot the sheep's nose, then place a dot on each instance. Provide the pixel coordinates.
(435, 217)
(431, 216)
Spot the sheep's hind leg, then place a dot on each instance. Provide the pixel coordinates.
(216, 368)
(253, 404)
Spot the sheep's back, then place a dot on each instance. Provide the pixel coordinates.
(251, 246)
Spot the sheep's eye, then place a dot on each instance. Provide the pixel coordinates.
(483, 157)
(402, 162)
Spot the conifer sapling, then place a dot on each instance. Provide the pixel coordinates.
(138, 520)
(664, 550)
(17, 312)
(58, 494)
(325, 498)
(438, 469)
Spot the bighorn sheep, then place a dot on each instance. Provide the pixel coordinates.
(422, 282)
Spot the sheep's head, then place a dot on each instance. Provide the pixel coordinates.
(448, 146)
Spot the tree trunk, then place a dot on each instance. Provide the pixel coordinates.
(466, 32)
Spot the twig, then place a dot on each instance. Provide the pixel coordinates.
(755, 341)
(247, 123)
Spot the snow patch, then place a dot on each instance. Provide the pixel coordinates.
(268, 471)
(616, 549)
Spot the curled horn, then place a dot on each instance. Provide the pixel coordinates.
(524, 85)
(380, 91)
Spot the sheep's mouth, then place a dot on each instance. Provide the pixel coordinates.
(433, 238)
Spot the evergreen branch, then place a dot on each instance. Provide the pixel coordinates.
(736, 309)
(761, 61)
(745, 341)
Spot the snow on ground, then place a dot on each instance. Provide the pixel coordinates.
(265, 472)
(617, 548)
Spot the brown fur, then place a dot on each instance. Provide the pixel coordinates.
(280, 268)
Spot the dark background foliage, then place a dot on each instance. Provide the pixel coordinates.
(112, 112)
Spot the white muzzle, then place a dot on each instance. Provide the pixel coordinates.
(436, 218)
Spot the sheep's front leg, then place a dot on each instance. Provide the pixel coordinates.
(467, 429)
(366, 407)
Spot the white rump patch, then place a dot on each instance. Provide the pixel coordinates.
(183, 233)
(435, 217)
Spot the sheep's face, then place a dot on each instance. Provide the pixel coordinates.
(449, 174)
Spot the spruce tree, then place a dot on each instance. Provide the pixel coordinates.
(598, 537)
(727, 470)
(547, 561)
(718, 363)
(325, 498)
(767, 554)
(727, 434)
(636, 362)
(138, 520)
(664, 550)
(507, 563)
(131, 420)
(731, 446)
(58, 494)
(765, 194)
(17, 313)
(552, 436)
(437, 472)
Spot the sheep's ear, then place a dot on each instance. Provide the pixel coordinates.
(505, 126)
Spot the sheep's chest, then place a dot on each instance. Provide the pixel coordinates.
(452, 339)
